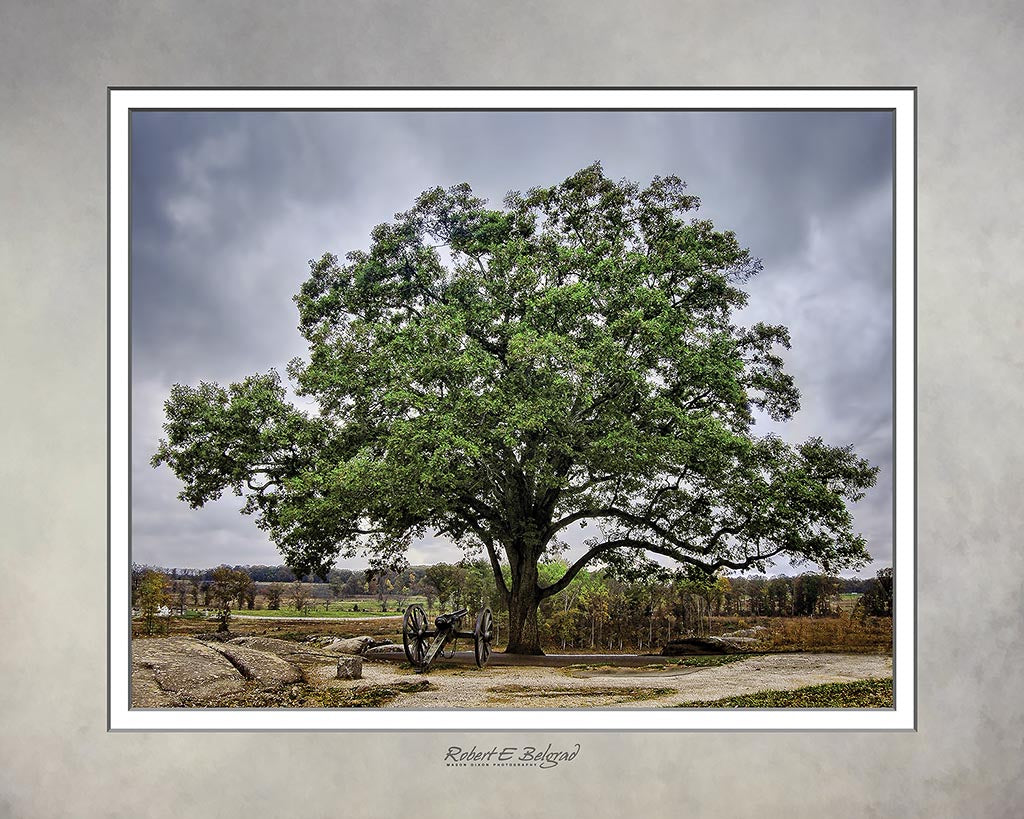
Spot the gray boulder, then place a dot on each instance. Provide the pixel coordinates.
(704, 645)
(354, 645)
(350, 668)
(385, 651)
(349, 645)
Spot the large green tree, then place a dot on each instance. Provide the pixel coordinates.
(501, 375)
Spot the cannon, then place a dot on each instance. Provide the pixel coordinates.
(423, 644)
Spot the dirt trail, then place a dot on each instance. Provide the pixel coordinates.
(538, 687)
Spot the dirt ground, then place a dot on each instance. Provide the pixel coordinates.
(165, 669)
(539, 687)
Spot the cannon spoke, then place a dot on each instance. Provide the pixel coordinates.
(482, 636)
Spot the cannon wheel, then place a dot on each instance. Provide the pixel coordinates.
(414, 635)
(482, 636)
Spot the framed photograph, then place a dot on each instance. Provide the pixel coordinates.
(545, 409)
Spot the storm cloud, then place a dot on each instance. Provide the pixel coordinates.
(228, 207)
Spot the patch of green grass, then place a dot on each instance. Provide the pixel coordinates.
(304, 695)
(873, 693)
(711, 660)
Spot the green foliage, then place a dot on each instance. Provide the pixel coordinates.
(227, 585)
(152, 593)
(468, 584)
(502, 375)
(877, 600)
(813, 593)
(873, 693)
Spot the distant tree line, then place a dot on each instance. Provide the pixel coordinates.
(596, 609)
(599, 610)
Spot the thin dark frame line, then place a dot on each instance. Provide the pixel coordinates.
(588, 731)
(893, 362)
(109, 436)
(893, 111)
(917, 569)
(513, 88)
(130, 400)
(130, 111)
(500, 110)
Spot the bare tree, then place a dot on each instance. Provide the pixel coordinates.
(274, 592)
(300, 595)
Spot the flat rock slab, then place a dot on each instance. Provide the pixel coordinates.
(265, 669)
(164, 668)
(286, 649)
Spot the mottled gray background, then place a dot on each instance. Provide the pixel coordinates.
(55, 63)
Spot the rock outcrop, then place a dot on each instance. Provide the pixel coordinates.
(285, 649)
(163, 669)
(349, 645)
(738, 642)
(265, 669)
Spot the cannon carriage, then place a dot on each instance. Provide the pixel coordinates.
(423, 644)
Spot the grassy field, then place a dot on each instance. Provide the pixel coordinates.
(845, 633)
(842, 634)
(340, 613)
(380, 627)
(349, 607)
(315, 603)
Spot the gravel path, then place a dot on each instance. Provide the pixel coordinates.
(536, 687)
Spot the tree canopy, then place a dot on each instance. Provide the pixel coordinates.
(501, 375)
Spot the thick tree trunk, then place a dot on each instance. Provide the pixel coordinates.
(523, 600)
(523, 634)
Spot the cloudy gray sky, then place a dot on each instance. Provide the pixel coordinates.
(228, 207)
